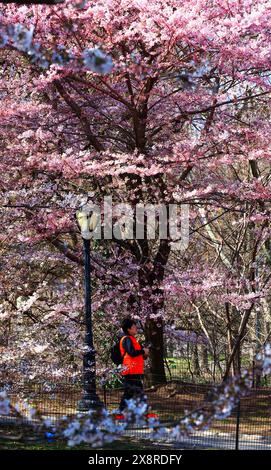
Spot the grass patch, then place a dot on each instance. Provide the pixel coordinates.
(121, 444)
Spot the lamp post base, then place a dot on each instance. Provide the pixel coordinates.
(89, 401)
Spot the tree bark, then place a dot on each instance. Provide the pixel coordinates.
(195, 360)
(234, 359)
(150, 276)
(154, 336)
(203, 356)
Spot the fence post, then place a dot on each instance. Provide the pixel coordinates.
(237, 425)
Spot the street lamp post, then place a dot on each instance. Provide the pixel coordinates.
(87, 222)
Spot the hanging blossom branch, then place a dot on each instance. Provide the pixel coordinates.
(98, 427)
(21, 38)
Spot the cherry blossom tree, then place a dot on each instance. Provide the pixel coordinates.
(181, 117)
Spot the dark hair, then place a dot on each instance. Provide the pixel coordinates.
(127, 323)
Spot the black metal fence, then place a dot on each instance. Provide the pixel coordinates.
(249, 426)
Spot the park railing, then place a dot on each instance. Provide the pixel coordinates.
(249, 426)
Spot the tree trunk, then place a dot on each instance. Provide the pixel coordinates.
(150, 279)
(235, 355)
(154, 338)
(204, 363)
(195, 359)
(237, 361)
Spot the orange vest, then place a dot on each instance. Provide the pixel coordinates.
(133, 365)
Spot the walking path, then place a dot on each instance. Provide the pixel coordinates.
(209, 440)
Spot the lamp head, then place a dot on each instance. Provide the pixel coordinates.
(87, 220)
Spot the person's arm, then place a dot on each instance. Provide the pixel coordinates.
(129, 348)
